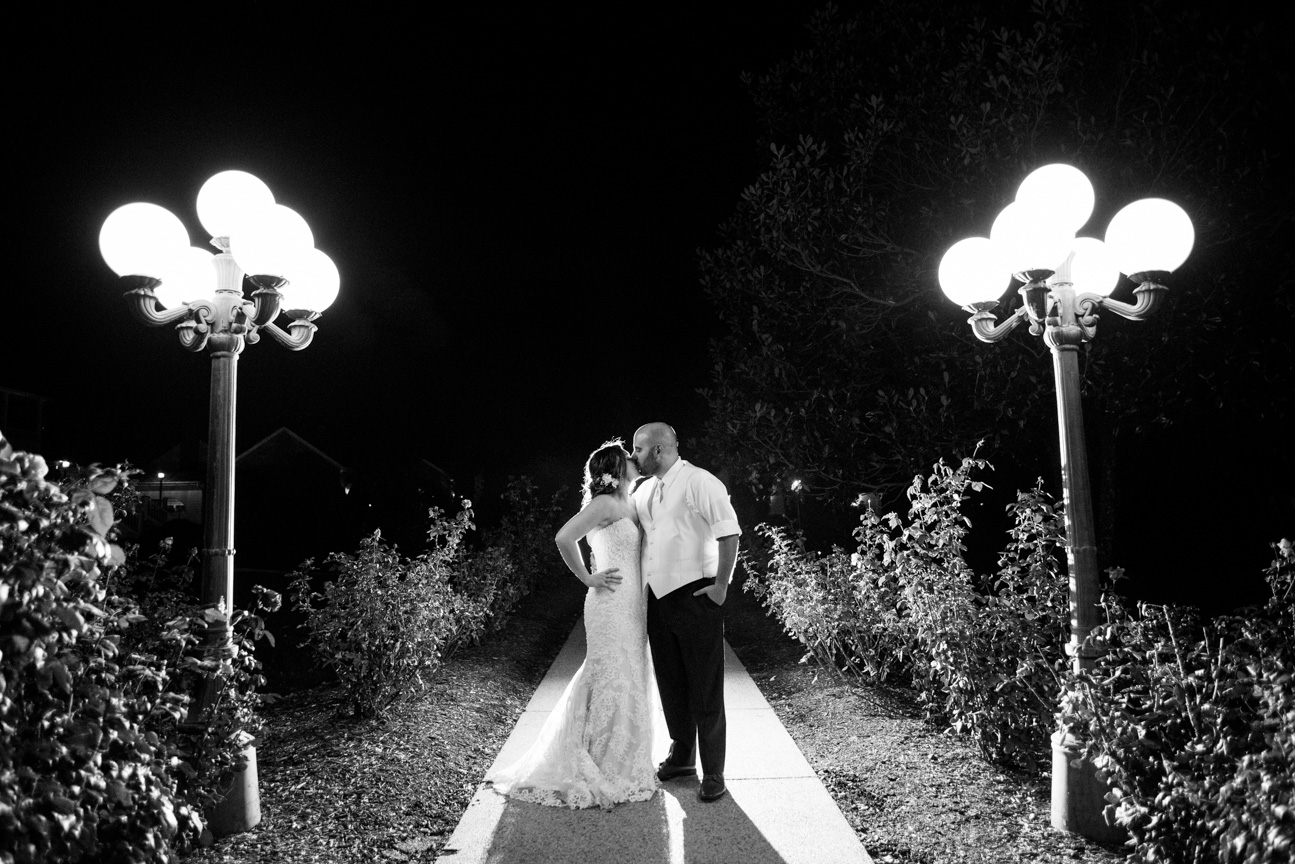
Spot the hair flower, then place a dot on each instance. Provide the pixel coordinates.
(609, 480)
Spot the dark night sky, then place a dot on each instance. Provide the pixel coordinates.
(510, 200)
(514, 201)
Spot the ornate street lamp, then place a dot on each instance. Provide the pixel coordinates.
(202, 294)
(1067, 281)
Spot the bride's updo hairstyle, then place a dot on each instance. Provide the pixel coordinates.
(604, 471)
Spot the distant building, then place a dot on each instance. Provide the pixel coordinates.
(171, 486)
(292, 501)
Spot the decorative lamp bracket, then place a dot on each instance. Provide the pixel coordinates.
(1072, 318)
(227, 320)
(1035, 299)
(1086, 307)
(1148, 295)
(144, 303)
(267, 298)
(300, 331)
(191, 338)
(983, 322)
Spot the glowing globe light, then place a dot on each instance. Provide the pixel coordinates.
(1151, 234)
(1090, 268)
(139, 239)
(316, 284)
(187, 276)
(1063, 190)
(1030, 238)
(972, 271)
(271, 242)
(228, 199)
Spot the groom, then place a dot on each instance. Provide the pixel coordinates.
(689, 549)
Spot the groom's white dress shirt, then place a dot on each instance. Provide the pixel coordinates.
(683, 514)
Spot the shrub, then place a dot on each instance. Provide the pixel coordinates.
(385, 622)
(174, 636)
(985, 660)
(1193, 724)
(519, 552)
(94, 762)
(844, 613)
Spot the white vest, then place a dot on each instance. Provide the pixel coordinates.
(683, 514)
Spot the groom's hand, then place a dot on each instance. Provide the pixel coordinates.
(717, 593)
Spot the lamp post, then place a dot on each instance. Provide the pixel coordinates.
(1066, 282)
(161, 501)
(202, 294)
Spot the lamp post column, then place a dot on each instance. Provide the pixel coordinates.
(240, 808)
(218, 553)
(1078, 796)
(1065, 338)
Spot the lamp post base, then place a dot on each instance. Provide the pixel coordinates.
(1078, 796)
(240, 809)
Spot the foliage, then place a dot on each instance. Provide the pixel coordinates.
(519, 552)
(385, 622)
(907, 126)
(1193, 724)
(95, 763)
(187, 639)
(985, 660)
(846, 615)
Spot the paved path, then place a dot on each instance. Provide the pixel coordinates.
(776, 810)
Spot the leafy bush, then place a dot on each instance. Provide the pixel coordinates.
(175, 635)
(1191, 721)
(845, 614)
(985, 660)
(1193, 724)
(519, 552)
(95, 764)
(385, 622)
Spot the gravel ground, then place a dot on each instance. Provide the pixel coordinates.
(340, 790)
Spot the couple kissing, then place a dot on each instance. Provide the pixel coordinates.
(662, 555)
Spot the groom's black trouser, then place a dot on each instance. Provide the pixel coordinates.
(686, 634)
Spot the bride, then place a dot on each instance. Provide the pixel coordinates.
(596, 747)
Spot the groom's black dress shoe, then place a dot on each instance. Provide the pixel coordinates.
(712, 787)
(667, 770)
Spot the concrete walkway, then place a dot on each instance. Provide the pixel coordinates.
(776, 810)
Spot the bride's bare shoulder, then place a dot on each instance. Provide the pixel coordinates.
(610, 510)
(601, 512)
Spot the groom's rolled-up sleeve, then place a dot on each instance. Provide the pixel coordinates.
(709, 499)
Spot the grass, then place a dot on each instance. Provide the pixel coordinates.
(335, 789)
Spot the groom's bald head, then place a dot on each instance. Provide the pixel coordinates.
(658, 433)
(656, 448)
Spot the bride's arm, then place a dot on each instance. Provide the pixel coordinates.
(568, 540)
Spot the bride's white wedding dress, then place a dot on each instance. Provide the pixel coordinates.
(596, 746)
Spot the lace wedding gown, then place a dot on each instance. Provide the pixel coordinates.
(596, 747)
